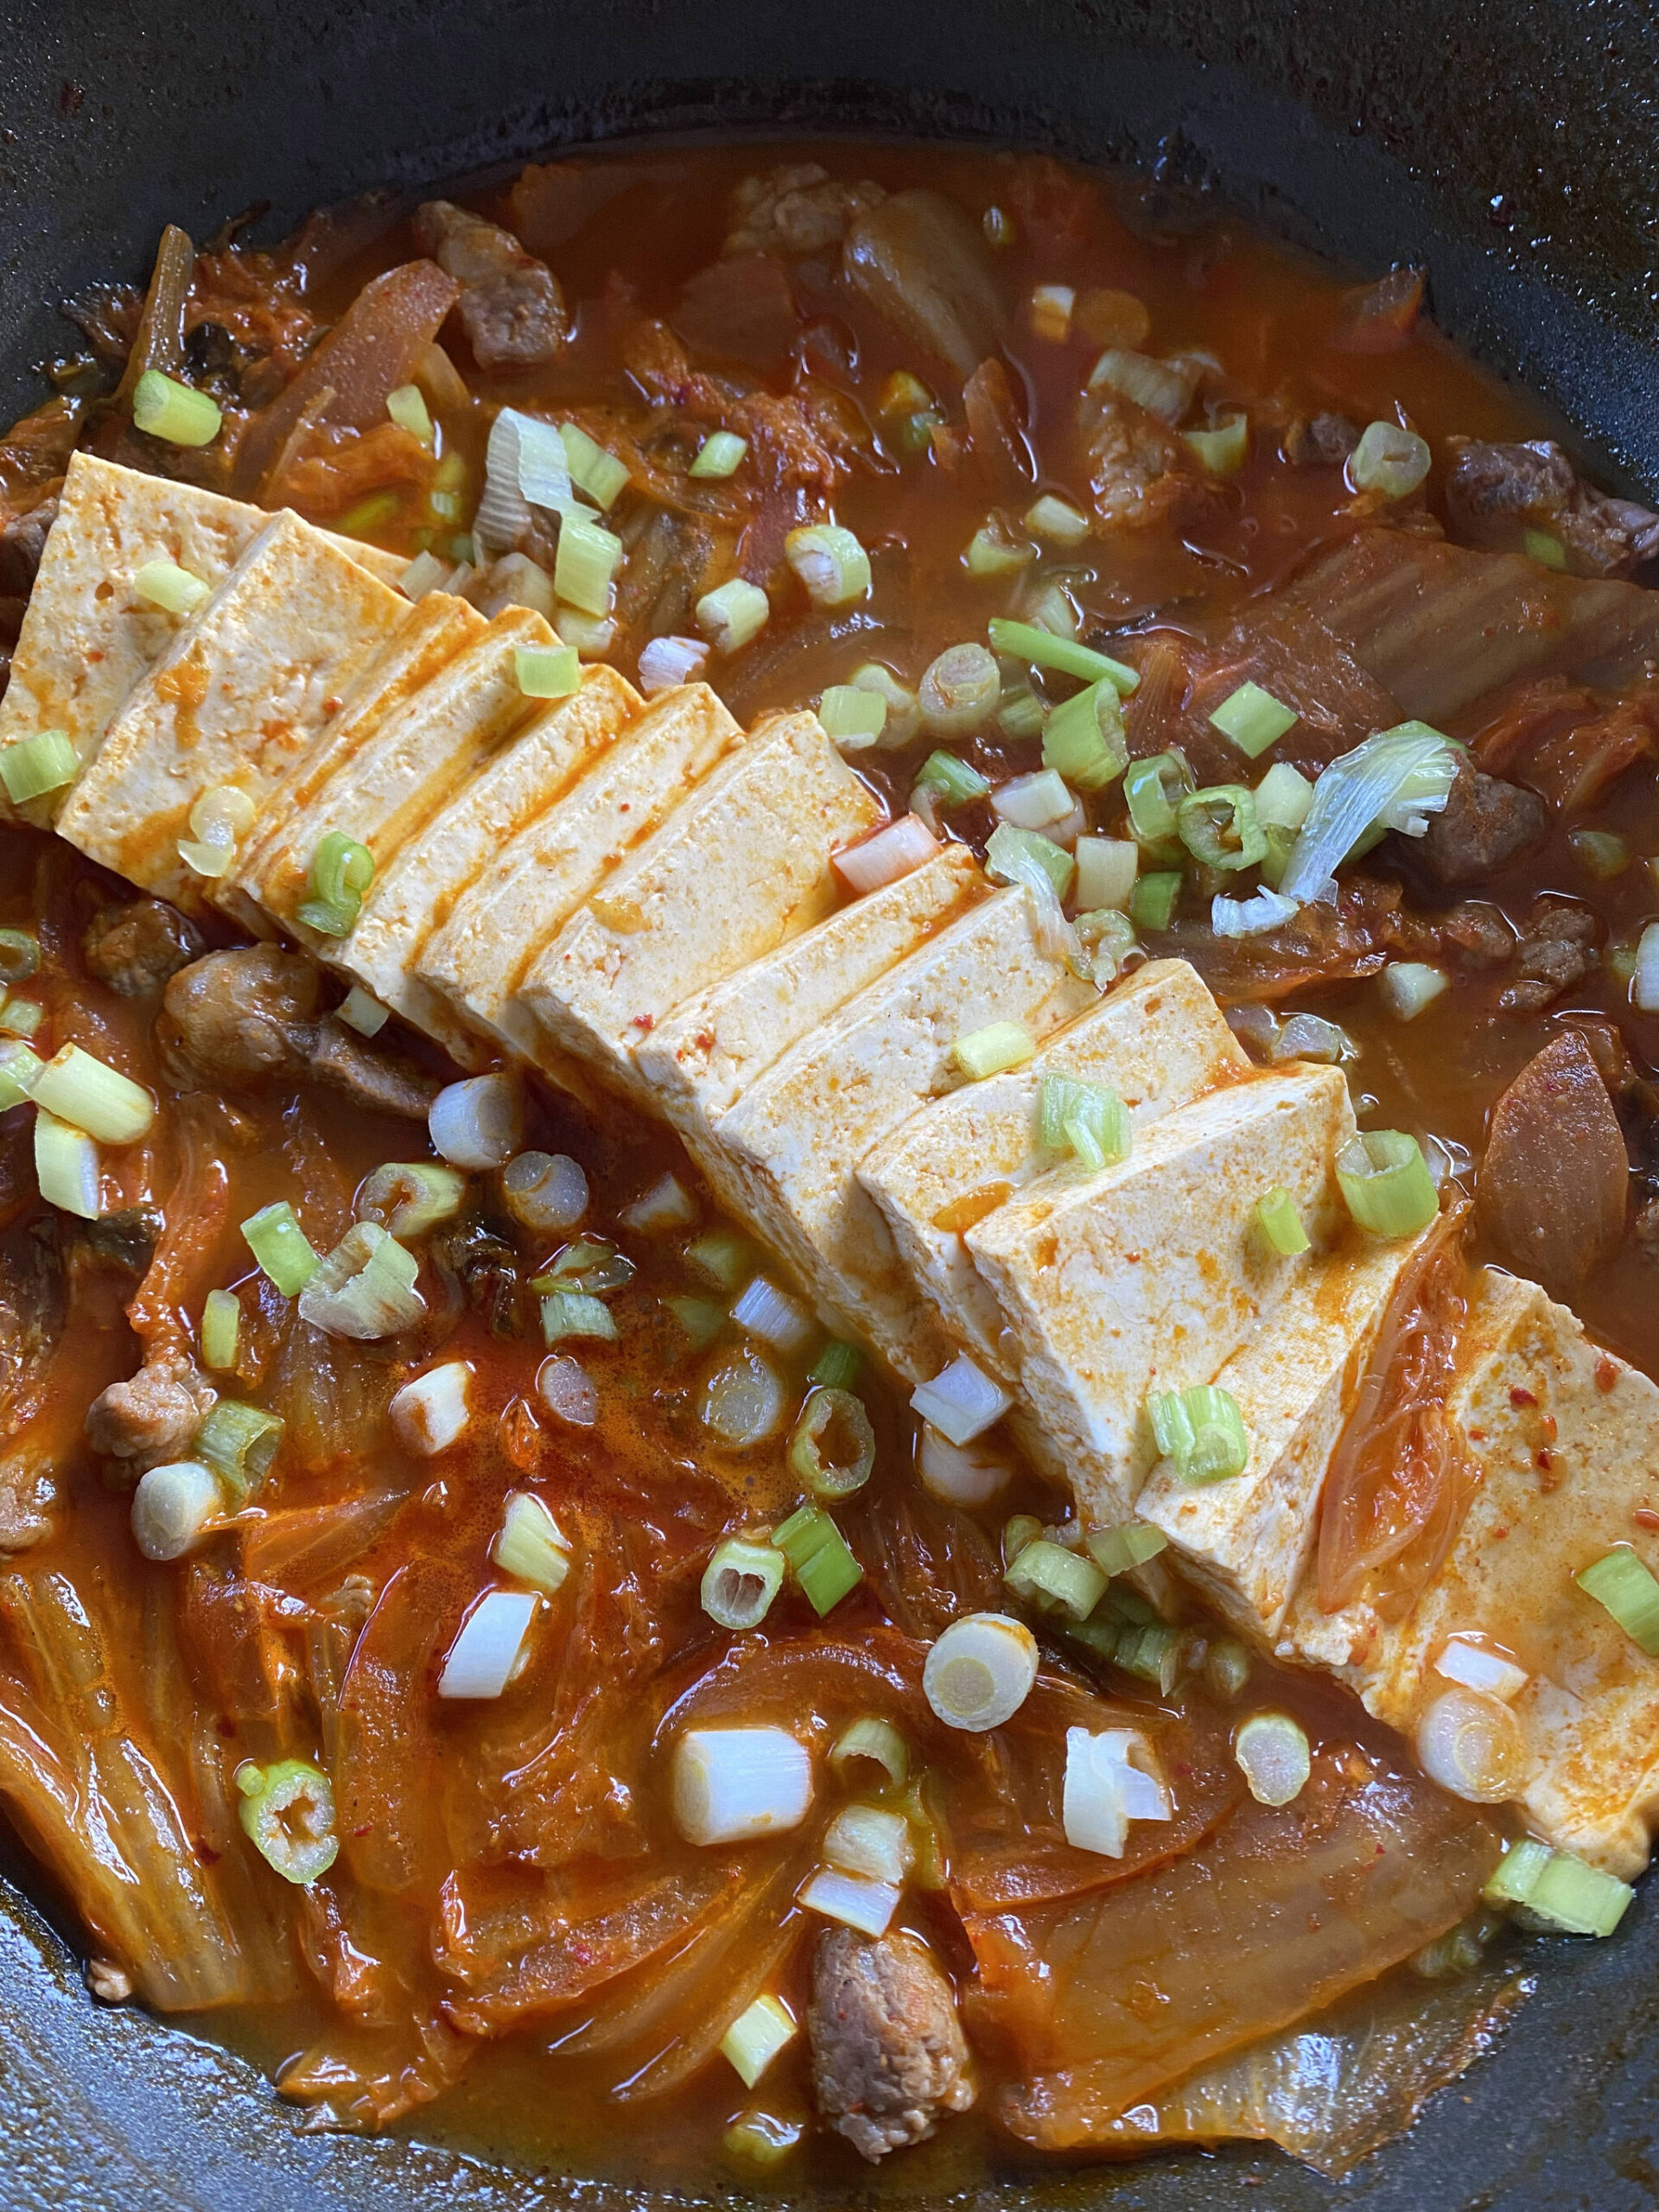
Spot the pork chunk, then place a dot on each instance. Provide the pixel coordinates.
(137, 949)
(889, 2054)
(1495, 494)
(797, 208)
(510, 304)
(153, 1417)
(1486, 821)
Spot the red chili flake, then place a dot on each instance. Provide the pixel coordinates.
(1606, 1373)
(1497, 1533)
(643, 1021)
(1544, 1459)
(1645, 1517)
(1476, 1435)
(1519, 1397)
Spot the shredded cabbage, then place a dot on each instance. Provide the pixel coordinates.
(1393, 781)
(1249, 917)
(526, 464)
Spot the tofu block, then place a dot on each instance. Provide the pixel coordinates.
(1160, 1039)
(247, 687)
(787, 1153)
(738, 868)
(1566, 1438)
(479, 956)
(414, 759)
(1152, 1273)
(707, 1050)
(422, 882)
(87, 638)
(435, 629)
(1247, 1542)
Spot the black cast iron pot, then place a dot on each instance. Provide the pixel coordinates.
(1509, 144)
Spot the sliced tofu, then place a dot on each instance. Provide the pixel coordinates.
(479, 956)
(1247, 1542)
(421, 884)
(1566, 1438)
(709, 1048)
(787, 1153)
(435, 631)
(87, 638)
(1151, 1274)
(247, 687)
(387, 789)
(1160, 1039)
(738, 867)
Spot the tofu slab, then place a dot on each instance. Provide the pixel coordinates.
(738, 868)
(1567, 1440)
(1247, 1542)
(87, 638)
(1151, 1274)
(701, 1058)
(479, 956)
(787, 1153)
(1160, 1039)
(414, 759)
(247, 687)
(420, 885)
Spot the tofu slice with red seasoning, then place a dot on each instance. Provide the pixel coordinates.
(787, 1153)
(425, 878)
(1159, 1039)
(1247, 1542)
(1565, 1440)
(1150, 1274)
(88, 638)
(707, 1050)
(245, 689)
(738, 867)
(479, 956)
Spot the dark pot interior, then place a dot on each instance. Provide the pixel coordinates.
(1505, 144)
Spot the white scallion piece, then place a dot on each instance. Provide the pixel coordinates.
(430, 1414)
(1107, 1784)
(174, 1507)
(959, 1474)
(743, 1400)
(980, 1671)
(734, 615)
(666, 1206)
(1271, 1750)
(168, 585)
(1161, 387)
(1282, 797)
(546, 1191)
(362, 1011)
(425, 574)
(531, 1546)
(1033, 801)
(66, 1167)
(477, 1122)
(852, 1899)
(526, 464)
(1107, 867)
(770, 1314)
(962, 1400)
(1264, 910)
(89, 1096)
(869, 1841)
(364, 1288)
(1473, 1744)
(879, 1742)
(733, 1783)
(490, 1648)
(832, 565)
(666, 662)
(408, 409)
(1644, 983)
(1389, 459)
(1050, 310)
(756, 2036)
(1409, 986)
(898, 850)
(593, 635)
(1056, 520)
(594, 470)
(1479, 1668)
(513, 581)
(567, 1389)
(219, 819)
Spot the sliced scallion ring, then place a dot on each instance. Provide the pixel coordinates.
(44, 761)
(239, 1443)
(981, 1671)
(283, 1250)
(830, 562)
(364, 1288)
(1218, 826)
(1152, 789)
(1201, 1432)
(719, 456)
(1253, 719)
(1272, 1753)
(741, 1581)
(20, 956)
(1624, 1585)
(407, 1198)
(1386, 1183)
(1279, 1222)
(1047, 1574)
(993, 1050)
(833, 1449)
(221, 1329)
(954, 782)
(341, 871)
(820, 1557)
(874, 1740)
(164, 408)
(287, 1813)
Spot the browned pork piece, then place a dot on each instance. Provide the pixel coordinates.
(1496, 494)
(888, 2056)
(510, 304)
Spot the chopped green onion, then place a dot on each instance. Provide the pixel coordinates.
(287, 1813)
(1544, 547)
(762, 2140)
(364, 1288)
(283, 1250)
(1152, 789)
(1089, 1120)
(1221, 450)
(425, 574)
(1385, 1183)
(591, 635)
(733, 616)
(1056, 520)
(1151, 902)
(408, 409)
(1201, 1432)
(1389, 459)
(168, 585)
(1042, 649)
(36, 765)
(369, 515)
(1010, 852)
(980, 1671)
(1600, 853)
(221, 1329)
(991, 552)
(1158, 387)
(362, 1011)
(1620, 1582)
(531, 1546)
(700, 1318)
(1227, 1667)
(1218, 826)
(1118, 1551)
(407, 1198)
(577, 1313)
(586, 564)
(164, 408)
(1021, 714)
(341, 871)
(1043, 1572)
(21, 1018)
(89, 1095)
(1051, 312)
(239, 1443)
(593, 469)
(833, 1449)
(870, 1841)
(1282, 797)
(1253, 719)
(832, 565)
(1279, 1222)
(20, 956)
(743, 1400)
(837, 1366)
(723, 1256)
(876, 1740)
(822, 1562)
(66, 1168)
(19, 1072)
(719, 455)
(992, 1051)
(1558, 1890)
(1409, 986)
(1056, 612)
(221, 816)
(547, 672)
(1271, 1752)
(954, 781)
(903, 709)
(741, 1581)
(1151, 1653)
(755, 2038)
(1083, 739)
(959, 691)
(851, 715)
(1106, 869)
